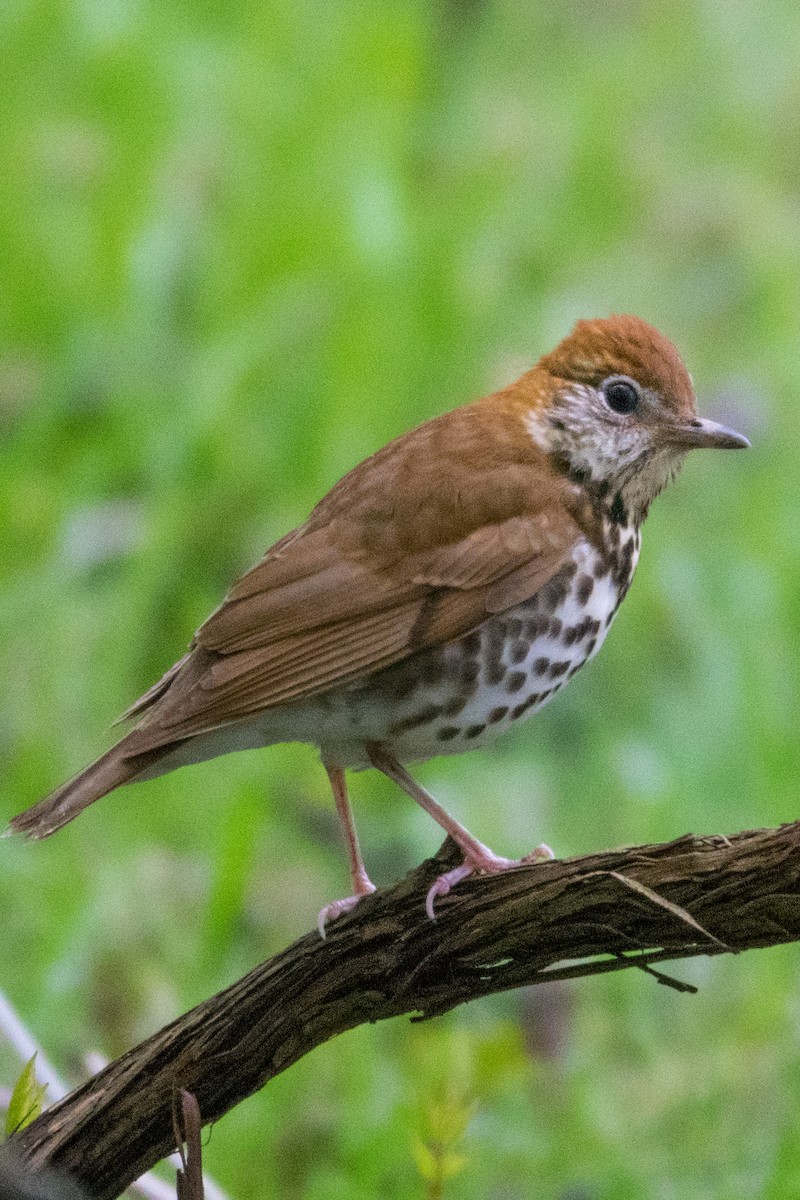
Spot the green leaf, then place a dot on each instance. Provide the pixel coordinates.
(452, 1164)
(26, 1099)
(426, 1161)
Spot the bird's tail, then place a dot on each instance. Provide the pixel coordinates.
(118, 765)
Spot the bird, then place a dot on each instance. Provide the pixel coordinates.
(446, 588)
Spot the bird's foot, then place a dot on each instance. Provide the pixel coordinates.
(484, 863)
(337, 908)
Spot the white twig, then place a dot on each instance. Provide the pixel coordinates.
(24, 1045)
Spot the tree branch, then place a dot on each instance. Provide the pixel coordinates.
(603, 912)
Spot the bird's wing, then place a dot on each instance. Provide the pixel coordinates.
(361, 586)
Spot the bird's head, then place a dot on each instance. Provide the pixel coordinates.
(618, 410)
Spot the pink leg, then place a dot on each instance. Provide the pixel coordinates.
(362, 884)
(477, 857)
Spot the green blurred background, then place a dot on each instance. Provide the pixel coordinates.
(241, 247)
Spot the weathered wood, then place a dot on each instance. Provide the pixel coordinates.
(602, 912)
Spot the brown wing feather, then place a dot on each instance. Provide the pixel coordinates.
(408, 561)
(312, 585)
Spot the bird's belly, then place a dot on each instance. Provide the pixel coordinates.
(454, 697)
(461, 695)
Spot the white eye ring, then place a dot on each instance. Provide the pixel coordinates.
(621, 394)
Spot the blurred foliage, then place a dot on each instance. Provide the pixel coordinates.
(242, 246)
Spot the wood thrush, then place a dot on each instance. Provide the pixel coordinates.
(448, 586)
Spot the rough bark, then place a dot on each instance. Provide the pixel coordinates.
(602, 912)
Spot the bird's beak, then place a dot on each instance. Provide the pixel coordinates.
(700, 434)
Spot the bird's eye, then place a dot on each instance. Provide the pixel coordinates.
(621, 394)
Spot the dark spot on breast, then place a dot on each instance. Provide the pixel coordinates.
(617, 511)
(474, 731)
(525, 705)
(540, 666)
(535, 627)
(497, 636)
(555, 627)
(624, 566)
(519, 651)
(553, 594)
(571, 635)
(495, 672)
(515, 681)
(591, 647)
(471, 644)
(448, 732)
(601, 567)
(584, 589)
(555, 591)
(454, 706)
(470, 672)
(495, 647)
(423, 717)
(497, 714)
(513, 627)
(560, 668)
(582, 628)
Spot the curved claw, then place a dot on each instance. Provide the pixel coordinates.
(338, 908)
(444, 883)
(489, 863)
